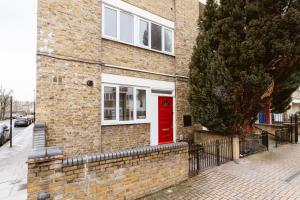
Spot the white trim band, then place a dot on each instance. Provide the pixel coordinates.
(132, 81)
(144, 71)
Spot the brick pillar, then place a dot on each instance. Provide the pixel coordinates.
(45, 176)
(236, 148)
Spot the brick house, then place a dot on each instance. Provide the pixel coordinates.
(112, 74)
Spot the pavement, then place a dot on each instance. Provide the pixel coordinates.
(13, 167)
(269, 175)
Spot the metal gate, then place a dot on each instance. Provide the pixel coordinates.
(289, 132)
(293, 128)
(254, 143)
(207, 154)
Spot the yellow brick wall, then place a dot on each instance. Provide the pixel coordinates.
(69, 28)
(165, 9)
(125, 177)
(69, 107)
(186, 31)
(71, 51)
(125, 136)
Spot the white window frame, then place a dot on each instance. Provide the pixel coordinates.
(103, 99)
(134, 25)
(103, 23)
(149, 33)
(136, 31)
(135, 120)
(162, 37)
(147, 102)
(172, 37)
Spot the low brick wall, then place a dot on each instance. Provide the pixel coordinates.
(45, 175)
(271, 128)
(128, 174)
(201, 136)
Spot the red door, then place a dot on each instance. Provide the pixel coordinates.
(165, 120)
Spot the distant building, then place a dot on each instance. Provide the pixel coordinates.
(23, 107)
(295, 104)
(266, 117)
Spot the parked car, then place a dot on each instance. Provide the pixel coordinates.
(22, 122)
(4, 134)
(14, 116)
(30, 118)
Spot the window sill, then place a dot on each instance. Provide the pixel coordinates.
(138, 46)
(114, 123)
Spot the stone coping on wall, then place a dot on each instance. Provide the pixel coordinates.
(39, 135)
(44, 153)
(210, 132)
(270, 125)
(40, 151)
(121, 154)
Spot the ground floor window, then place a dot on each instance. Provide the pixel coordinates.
(110, 103)
(141, 111)
(124, 104)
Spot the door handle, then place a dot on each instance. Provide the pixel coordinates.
(165, 129)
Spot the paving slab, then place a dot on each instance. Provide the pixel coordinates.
(269, 175)
(13, 167)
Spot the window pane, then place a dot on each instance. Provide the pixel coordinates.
(156, 37)
(126, 27)
(126, 103)
(110, 23)
(144, 33)
(168, 40)
(109, 103)
(141, 104)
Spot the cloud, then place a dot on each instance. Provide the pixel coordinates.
(18, 46)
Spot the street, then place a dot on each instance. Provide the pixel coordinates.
(16, 130)
(13, 167)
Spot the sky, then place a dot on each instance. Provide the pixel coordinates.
(18, 47)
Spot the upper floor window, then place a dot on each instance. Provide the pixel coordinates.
(126, 27)
(156, 39)
(144, 33)
(110, 23)
(131, 29)
(168, 40)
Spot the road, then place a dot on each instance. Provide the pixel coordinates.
(16, 130)
(13, 167)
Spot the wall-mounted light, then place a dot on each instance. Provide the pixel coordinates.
(90, 83)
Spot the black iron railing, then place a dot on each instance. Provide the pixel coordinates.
(254, 143)
(207, 154)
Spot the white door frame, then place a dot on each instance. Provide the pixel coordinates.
(154, 117)
(153, 98)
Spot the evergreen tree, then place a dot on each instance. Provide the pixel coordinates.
(246, 58)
